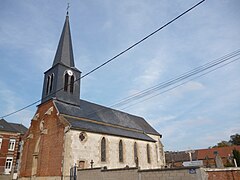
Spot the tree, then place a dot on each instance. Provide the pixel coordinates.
(222, 144)
(235, 139)
(236, 155)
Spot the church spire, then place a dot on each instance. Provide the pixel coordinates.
(62, 80)
(64, 54)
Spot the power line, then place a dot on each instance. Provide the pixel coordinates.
(143, 39)
(176, 80)
(174, 87)
(113, 58)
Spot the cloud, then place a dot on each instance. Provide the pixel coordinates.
(185, 89)
(151, 75)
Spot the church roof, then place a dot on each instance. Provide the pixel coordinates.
(12, 127)
(64, 54)
(96, 118)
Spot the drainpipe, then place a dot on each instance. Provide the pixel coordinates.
(66, 130)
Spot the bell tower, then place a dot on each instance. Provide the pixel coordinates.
(62, 80)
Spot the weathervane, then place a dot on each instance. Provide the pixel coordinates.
(68, 6)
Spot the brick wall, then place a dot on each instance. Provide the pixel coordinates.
(5, 152)
(43, 148)
(223, 174)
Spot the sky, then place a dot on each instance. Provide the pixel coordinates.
(196, 115)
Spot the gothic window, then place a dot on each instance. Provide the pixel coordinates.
(120, 151)
(66, 82)
(48, 81)
(71, 84)
(103, 149)
(148, 154)
(51, 83)
(135, 153)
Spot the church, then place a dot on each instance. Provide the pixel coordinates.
(67, 131)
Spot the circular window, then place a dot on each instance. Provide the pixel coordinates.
(83, 136)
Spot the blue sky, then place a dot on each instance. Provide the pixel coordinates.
(196, 115)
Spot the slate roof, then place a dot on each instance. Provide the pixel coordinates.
(105, 120)
(19, 128)
(12, 127)
(64, 53)
(179, 156)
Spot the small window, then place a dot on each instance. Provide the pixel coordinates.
(148, 154)
(48, 81)
(66, 77)
(81, 164)
(135, 153)
(0, 143)
(51, 83)
(103, 149)
(11, 145)
(120, 151)
(71, 84)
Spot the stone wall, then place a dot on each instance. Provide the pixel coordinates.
(192, 173)
(90, 149)
(223, 174)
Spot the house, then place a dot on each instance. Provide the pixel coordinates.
(68, 131)
(207, 156)
(176, 159)
(10, 146)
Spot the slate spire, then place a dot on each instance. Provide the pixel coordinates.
(64, 54)
(62, 80)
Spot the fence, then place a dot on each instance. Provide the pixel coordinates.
(73, 173)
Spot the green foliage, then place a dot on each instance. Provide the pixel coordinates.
(222, 144)
(229, 164)
(236, 155)
(235, 139)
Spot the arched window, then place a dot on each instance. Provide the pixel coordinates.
(66, 82)
(51, 83)
(48, 81)
(103, 149)
(71, 84)
(120, 151)
(135, 153)
(148, 154)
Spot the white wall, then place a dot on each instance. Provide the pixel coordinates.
(89, 149)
